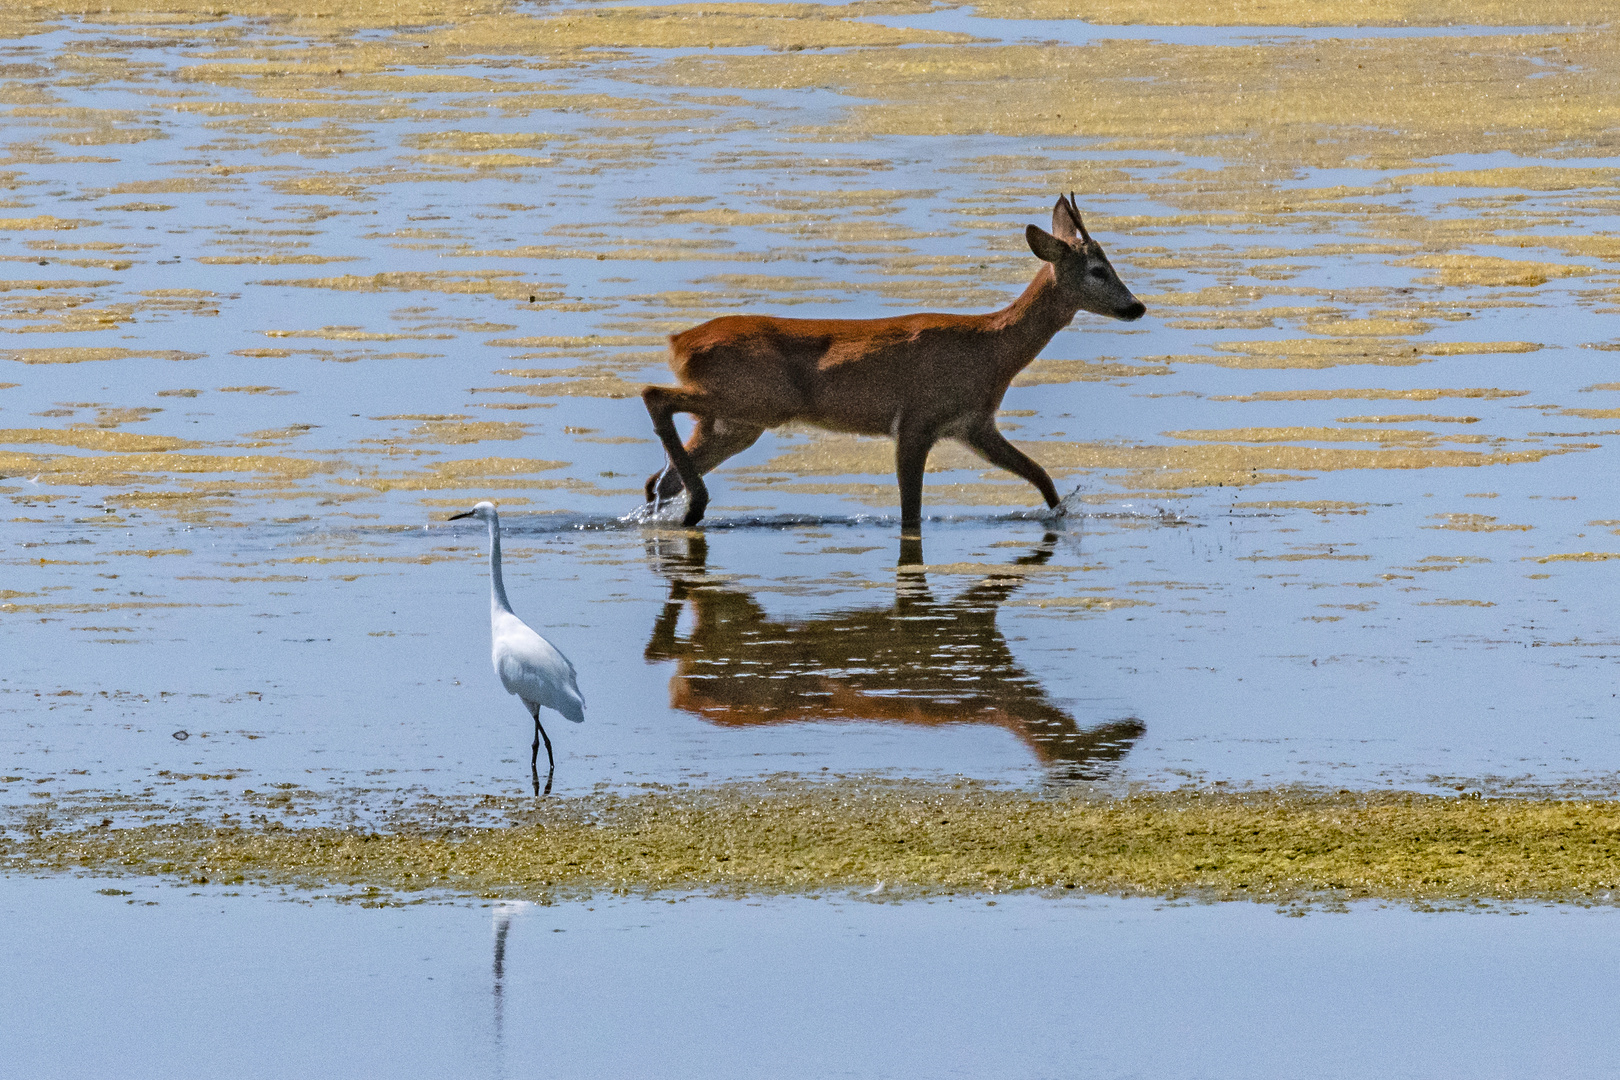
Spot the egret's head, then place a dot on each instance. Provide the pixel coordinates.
(484, 511)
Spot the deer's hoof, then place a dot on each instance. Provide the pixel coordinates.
(661, 488)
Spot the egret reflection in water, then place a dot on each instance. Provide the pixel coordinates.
(504, 912)
(918, 660)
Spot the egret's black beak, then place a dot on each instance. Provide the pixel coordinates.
(458, 517)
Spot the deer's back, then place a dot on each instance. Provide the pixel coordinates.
(847, 374)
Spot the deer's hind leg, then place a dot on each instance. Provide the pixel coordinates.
(713, 442)
(663, 403)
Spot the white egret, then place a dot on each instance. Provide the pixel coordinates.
(528, 665)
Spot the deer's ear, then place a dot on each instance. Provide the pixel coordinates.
(1064, 220)
(1046, 247)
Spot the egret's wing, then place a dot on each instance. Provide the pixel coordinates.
(534, 669)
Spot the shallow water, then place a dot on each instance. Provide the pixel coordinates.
(304, 653)
(177, 982)
(281, 295)
(1338, 517)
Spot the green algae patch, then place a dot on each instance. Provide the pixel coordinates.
(366, 13)
(1372, 395)
(88, 470)
(1409, 418)
(79, 355)
(1313, 354)
(1451, 271)
(474, 473)
(93, 439)
(786, 27)
(1393, 102)
(1474, 523)
(501, 284)
(1386, 436)
(1300, 12)
(1164, 468)
(795, 836)
(1580, 556)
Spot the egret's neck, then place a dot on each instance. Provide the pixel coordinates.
(497, 588)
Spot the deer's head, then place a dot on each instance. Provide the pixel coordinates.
(1082, 270)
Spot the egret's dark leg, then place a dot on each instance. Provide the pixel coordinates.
(534, 756)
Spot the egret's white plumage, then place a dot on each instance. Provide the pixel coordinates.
(528, 665)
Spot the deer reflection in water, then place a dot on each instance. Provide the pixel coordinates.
(917, 661)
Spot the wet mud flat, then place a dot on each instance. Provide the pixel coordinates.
(286, 292)
(146, 980)
(903, 839)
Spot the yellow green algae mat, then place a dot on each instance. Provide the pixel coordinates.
(282, 287)
(909, 839)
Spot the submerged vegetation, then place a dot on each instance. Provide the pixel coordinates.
(502, 192)
(1260, 172)
(909, 837)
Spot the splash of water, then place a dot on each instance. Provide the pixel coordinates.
(1069, 505)
(1072, 506)
(664, 512)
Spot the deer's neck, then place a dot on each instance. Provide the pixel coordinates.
(1022, 329)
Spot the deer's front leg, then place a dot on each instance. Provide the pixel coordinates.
(911, 458)
(993, 446)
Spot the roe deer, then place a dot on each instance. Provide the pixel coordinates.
(916, 378)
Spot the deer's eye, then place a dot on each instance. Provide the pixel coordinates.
(1099, 273)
